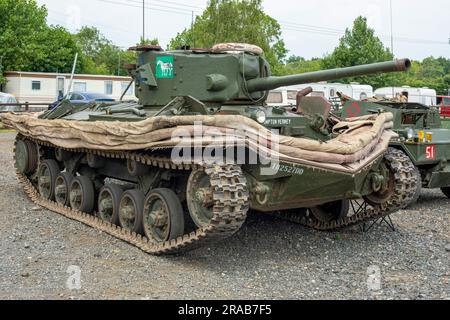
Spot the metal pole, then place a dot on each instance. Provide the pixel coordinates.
(1, 72)
(143, 21)
(392, 40)
(118, 67)
(192, 30)
(126, 90)
(72, 75)
(392, 28)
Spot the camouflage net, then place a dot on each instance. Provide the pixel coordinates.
(237, 47)
(359, 141)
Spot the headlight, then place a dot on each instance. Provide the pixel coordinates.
(410, 134)
(261, 116)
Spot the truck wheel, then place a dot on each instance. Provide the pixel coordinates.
(446, 191)
(418, 186)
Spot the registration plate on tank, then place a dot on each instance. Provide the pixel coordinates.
(282, 168)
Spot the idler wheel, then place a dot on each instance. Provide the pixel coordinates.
(62, 188)
(130, 210)
(82, 194)
(109, 202)
(47, 173)
(163, 217)
(26, 156)
(331, 211)
(200, 198)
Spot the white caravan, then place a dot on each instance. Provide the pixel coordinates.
(424, 96)
(287, 96)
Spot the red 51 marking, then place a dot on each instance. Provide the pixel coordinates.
(431, 152)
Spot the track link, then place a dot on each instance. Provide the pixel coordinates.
(231, 203)
(404, 191)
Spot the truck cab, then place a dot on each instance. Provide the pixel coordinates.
(443, 102)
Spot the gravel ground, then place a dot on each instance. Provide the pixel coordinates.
(267, 259)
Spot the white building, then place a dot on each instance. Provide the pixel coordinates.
(424, 96)
(288, 95)
(38, 87)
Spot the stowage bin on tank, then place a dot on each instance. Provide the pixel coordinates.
(181, 168)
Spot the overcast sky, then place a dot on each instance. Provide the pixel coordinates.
(310, 28)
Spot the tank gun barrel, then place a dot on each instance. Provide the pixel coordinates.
(270, 83)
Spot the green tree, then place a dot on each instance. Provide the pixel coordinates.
(235, 21)
(100, 55)
(296, 65)
(54, 51)
(153, 42)
(360, 46)
(20, 25)
(28, 44)
(431, 72)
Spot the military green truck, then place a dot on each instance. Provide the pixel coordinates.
(182, 167)
(422, 137)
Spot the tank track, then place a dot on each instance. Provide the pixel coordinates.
(405, 188)
(231, 204)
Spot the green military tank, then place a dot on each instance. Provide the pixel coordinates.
(422, 138)
(182, 167)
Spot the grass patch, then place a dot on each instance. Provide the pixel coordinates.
(6, 130)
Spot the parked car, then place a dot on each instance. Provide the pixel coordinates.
(7, 98)
(81, 98)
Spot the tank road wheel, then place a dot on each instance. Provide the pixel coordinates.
(26, 156)
(332, 211)
(200, 198)
(82, 194)
(131, 208)
(108, 203)
(47, 173)
(163, 218)
(62, 188)
(400, 183)
(446, 191)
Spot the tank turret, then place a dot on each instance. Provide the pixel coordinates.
(225, 74)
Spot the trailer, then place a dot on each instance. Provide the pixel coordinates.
(287, 96)
(425, 96)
